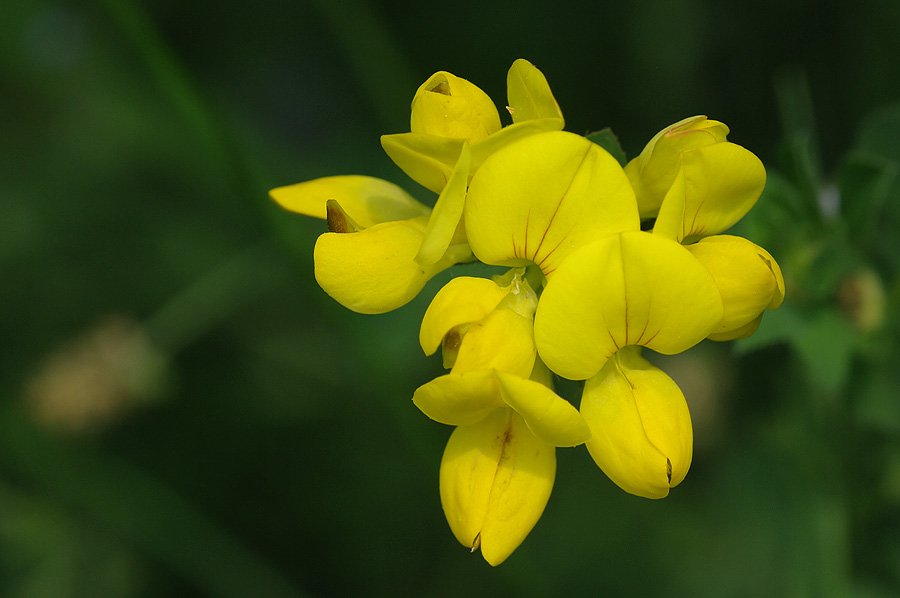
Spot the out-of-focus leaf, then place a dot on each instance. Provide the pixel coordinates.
(606, 139)
(880, 132)
(865, 183)
(802, 168)
(877, 142)
(779, 326)
(875, 402)
(824, 342)
(795, 104)
(116, 495)
(778, 218)
(49, 551)
(829, 263)
(800, 150)
(826, 345)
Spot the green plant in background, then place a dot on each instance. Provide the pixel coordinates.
(187, 414)
(604, 261)
(839, 249)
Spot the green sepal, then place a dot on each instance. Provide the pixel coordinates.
(606, 139)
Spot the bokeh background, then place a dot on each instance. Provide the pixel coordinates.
(183, 412)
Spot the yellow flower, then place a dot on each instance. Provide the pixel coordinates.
(450, 106)
(563, 203)
(494, 359)
(495, 481)
(693, 181)
(701, 185)
(448, 112)
(538, 199)
(454, 126)
(588, 290)
(499, 465)
(641, 433)
(749, 282)
(654, 170)
(630, 288)
(367, 260)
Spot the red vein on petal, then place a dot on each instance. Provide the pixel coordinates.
(549, 253)
(559, 204)
(549, 224)
(613, 339)
(646, 323)
(693, 221)
(527, 222)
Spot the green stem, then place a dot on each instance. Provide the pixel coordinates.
(164, 67)
(374, 56)
(246, 172)
(214, 297)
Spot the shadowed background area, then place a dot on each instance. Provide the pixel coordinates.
(183, 412)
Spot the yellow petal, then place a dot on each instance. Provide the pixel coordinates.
(640, 424)
(542, 197)
(741, 332)
(747, 276)
(548, 416)
(430, 160)
(541, 373)
(463, 300)
(367, 200)
(632, 288)
(529, 94)
(504, 341)
(495, 481)
(447, 213)
(715, 186)
(373, 271)
(427, 159)
(653, 171)
(450, 106)
(459, 399)
(510, 134)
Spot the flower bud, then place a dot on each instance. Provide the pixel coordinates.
(449, 106)
(748, 278)
(640, 425)
(653, 172)
(862, 298)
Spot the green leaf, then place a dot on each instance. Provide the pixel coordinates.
(802, 167)
(824, 342)
(828, 263)
(875, 403)
(778, 326)
(865, 181)
(780, 208)
(606, 139)
(825, 346)
(800, 151)
(879, 133)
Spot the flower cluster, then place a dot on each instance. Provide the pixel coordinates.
(604, 261)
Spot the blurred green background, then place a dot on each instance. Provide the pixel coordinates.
(185, 413)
